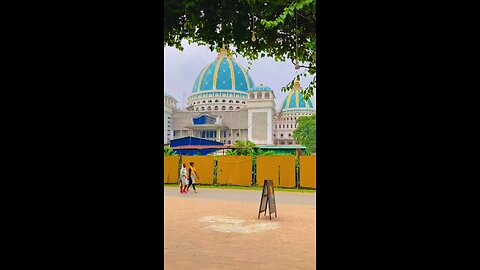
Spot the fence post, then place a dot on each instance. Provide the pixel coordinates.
(215, 170)
(254, 168)
(297, 171)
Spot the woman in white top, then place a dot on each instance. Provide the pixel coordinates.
(183, 179)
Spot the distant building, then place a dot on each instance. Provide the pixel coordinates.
(169, 104)
(225, 106)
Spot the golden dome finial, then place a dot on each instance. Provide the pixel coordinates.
(297, 83)
(223, 52)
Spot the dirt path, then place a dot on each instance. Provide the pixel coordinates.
(243, 195)
(219, 229)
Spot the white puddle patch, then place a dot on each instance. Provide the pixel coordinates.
(221, 219)
(231, 225)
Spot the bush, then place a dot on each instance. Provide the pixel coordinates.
(266, 153)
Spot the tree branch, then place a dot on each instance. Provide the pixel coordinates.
(311, 67)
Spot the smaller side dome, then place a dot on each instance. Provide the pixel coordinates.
(294, 100)
(260, 87)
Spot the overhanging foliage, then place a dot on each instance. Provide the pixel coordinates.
(282, 29)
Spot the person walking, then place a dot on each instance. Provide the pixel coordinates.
(183, 179)
(192, 174)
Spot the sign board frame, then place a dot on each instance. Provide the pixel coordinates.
(267, 199)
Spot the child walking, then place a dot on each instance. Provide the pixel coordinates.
(183, 178)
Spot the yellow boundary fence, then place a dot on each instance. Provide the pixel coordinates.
(238, 170)
(280, 169)
(308, 171)
(234, 170)
(170, 169)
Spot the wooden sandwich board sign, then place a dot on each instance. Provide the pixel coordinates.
(268, 198)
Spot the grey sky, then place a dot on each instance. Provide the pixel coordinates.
(181, 68)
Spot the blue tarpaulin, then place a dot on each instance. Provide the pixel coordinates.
(203, 119)
(193, 141)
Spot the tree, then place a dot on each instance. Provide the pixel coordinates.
(167, 151)
(306, 132)
(281, 29)
(247, 149)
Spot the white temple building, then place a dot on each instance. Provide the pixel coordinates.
(225, 105)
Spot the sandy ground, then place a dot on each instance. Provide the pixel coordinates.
(206, 233)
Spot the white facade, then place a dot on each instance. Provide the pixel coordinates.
(261, 111)
(169, 103)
